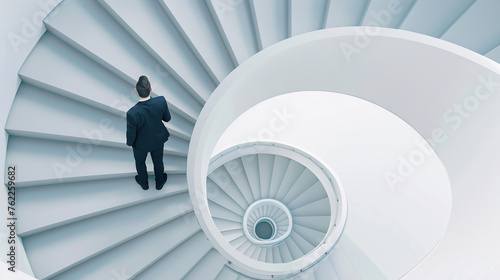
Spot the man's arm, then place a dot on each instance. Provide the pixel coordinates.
(166, 113)
(131, 130)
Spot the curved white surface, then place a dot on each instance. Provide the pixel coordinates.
(435, 76)
(272, 240)
(332, 186)
(396, 224)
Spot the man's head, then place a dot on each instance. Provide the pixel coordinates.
(143, 87)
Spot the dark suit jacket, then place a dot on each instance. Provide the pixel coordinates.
(145, 128)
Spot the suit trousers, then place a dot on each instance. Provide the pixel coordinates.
(140, 164)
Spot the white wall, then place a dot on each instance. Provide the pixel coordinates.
(20, 26)
(396, 224)
(418, 78)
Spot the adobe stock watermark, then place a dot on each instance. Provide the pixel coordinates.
(157, 76)
(276, 124)
(126, 102)
(32, 26)
(120, 275)
(76, 153)
(222, 7)
(363, 36)
(455, 118)
(223, 176)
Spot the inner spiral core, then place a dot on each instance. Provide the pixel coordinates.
(265, 229)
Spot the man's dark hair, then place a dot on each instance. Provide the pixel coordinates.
(143, 86)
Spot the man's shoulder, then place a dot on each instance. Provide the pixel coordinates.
(158, 99)
(132, 110)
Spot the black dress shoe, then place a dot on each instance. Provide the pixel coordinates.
(144, 186)
(160, 186)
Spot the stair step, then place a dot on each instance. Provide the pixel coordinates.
(153, 30)
(266, 163)
(231, 235)
(92, 82)
(220, 212)
(55, 117)
(275, 255)
(203, 37)
(225, 225)
(223, 180)
(494, 54)
(482, 15)
(226, 274)
(251, 167)
(279, 169)
(295, 251)
(221, 198)
(41, 209)
(51, 162)
(257, 252)
(306, 16)
(285, 254)
(245, 246)
(250, 249)
(302, 243)
(76, 243)
(208, 268)
(237, 172)
(319, 223)
(239, 241)
(180, 261)
(345, 13)
(135, 256)
(317, 208)
(269, 255)
(293, 172)
(395, 16)
(304, 182)
(267, 210)
(275, 212)
(235, 23)
(312, 236)
(270, 21)
(311, 195)
(263, 254)
(121, 55)
(433, 18)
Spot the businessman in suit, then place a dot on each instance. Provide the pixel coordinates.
(147, 134)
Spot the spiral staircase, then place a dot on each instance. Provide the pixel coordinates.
(81, 214)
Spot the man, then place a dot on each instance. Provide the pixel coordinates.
(147, 134)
